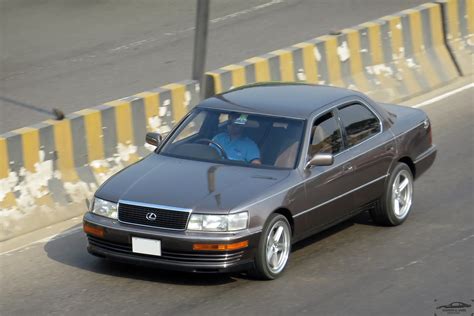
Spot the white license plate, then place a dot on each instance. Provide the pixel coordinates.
(146, 246)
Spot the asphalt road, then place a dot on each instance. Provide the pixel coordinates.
(72, 54)
(355, 268)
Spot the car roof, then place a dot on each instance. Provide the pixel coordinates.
(295, 100)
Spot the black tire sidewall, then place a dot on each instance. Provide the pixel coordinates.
(260, 258)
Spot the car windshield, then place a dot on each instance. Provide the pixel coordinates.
(237, 138)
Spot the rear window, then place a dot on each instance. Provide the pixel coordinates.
(359, 122)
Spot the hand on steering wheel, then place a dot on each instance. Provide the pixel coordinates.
(217, 145)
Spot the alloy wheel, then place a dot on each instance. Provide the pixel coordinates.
(402, 192)
(277, 246)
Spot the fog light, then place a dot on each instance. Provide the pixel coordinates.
(93, 230)
(221, 247)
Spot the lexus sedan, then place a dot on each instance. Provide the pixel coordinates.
(249, 172)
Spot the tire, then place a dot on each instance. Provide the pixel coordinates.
(271, 267)
(393, 207)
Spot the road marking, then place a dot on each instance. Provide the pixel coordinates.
(188, 29)
(440, 249)
(246, 11)
(42, 240)
(407, 265)
(443, 96)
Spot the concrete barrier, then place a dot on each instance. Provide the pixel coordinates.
(458, 18)
(48, 170)
(390, 59)
(290, 64)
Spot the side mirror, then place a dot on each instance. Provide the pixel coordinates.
(153, 139)
(320, 160)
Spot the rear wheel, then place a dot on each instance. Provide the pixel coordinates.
(274, 248)
(394, 206)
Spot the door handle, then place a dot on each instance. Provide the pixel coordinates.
(348, 167)
(389, 148)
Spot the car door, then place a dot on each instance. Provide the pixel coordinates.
(326, 188)
(371, 150)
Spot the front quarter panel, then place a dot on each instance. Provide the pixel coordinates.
(287, 196)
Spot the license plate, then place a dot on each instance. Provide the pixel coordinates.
(146, 246)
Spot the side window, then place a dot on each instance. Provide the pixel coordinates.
(325, 136)
(360, 123)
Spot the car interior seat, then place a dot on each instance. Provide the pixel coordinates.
(320, 141)
(272, 145)
(281, 146)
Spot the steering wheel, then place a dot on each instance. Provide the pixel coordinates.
(218, 146)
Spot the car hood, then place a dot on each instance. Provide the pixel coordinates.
(201, 186)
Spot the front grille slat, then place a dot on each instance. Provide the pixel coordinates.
(136, 214)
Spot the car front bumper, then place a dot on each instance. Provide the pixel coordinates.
(176, 246)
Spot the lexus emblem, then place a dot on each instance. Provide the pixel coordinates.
(150, 216)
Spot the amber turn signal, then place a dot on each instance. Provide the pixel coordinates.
(221, 247)
(93, 230)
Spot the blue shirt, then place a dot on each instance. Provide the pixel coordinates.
(243, 148)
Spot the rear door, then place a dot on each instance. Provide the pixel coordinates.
(371, 150)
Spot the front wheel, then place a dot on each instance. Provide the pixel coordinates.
(394, 206)
(274, 248)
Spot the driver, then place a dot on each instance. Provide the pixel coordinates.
(235, 144)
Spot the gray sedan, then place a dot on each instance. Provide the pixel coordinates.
(249, 172)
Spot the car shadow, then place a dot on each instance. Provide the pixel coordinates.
(69, 248)
(364, 218)
(311, 240)
(360, 219)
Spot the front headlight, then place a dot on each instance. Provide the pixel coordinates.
(104, 208)
(218, 223)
